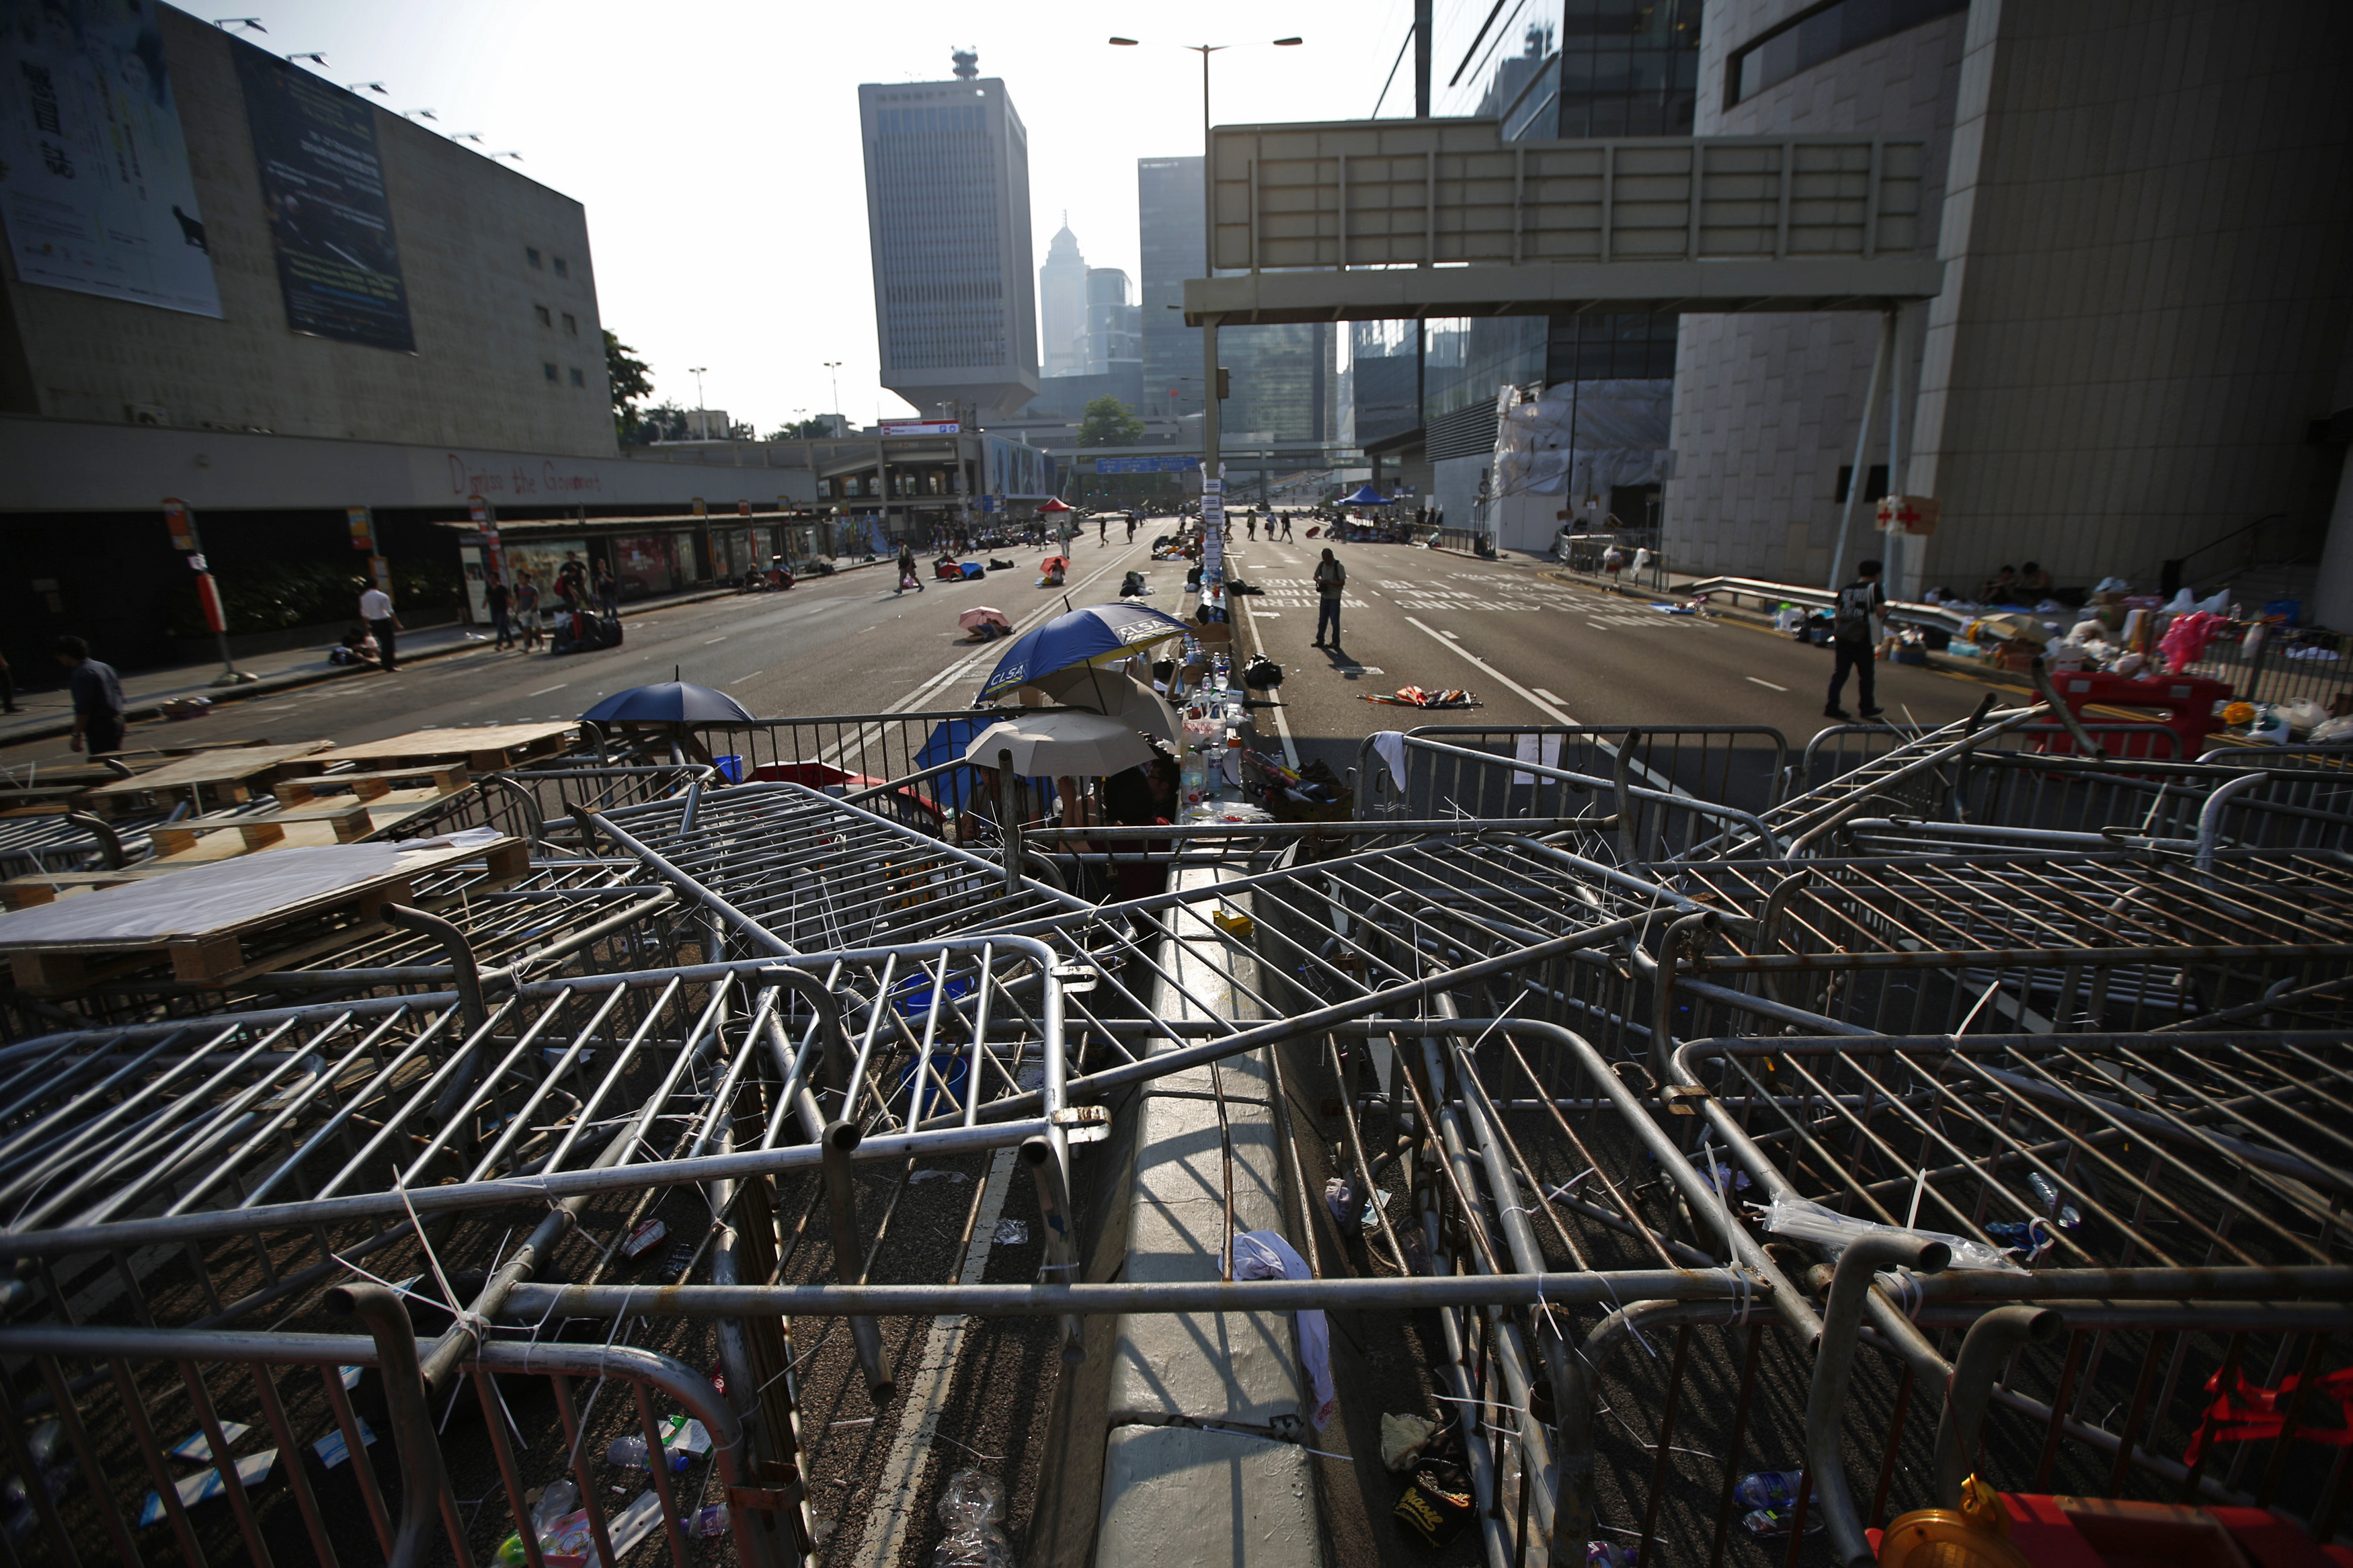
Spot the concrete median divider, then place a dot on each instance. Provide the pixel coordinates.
(1202, 1460)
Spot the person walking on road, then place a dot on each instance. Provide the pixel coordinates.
(375, 609)
(1331, 577)
(1103, 529)
(97, 698)
(1131, 525)
(609, 591)
(1854, 636)
(1286, 528)
(908, 576)
(526, 604)
(497, 598)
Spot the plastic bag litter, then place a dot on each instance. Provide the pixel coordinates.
(2305, 714)
(1802, 1219)
(2334, 730)
(1264, 1255)
(1011, 1233)
(972, 1508)
(1402, 1438)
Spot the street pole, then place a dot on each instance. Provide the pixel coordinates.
(182, 521)
(833, 367)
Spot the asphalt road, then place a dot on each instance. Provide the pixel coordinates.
(1533, 650)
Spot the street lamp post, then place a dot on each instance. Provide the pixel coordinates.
(1210, 413)
(701, 410)
(833, 366)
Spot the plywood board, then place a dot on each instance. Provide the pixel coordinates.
(485, 747)
(204, 916)
(210, 770)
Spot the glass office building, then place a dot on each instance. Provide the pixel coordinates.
(1170, 229)
(947, 212)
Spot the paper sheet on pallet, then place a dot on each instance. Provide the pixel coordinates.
(224, 892)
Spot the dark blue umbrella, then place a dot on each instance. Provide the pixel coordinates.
(1366, 497)
(667, 702)
(1100, 634)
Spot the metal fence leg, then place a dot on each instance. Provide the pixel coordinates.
(841, 1207)
(421, 1481)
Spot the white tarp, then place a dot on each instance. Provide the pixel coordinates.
(1581, 437)
(206, 898)
(94, 181)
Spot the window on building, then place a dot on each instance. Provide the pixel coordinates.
(550, 369)
(544, 319)
(1874, 482)
(579, 379)
(571, 323)
(1822, 34)
(562, 268)
(1624, 346)
(531, 254)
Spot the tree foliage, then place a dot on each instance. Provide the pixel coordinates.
(632, 380)
(1108, 422)
(816, 427)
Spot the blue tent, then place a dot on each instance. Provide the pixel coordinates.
(1367, 496)
(946, 744)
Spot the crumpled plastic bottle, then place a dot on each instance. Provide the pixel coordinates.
(971, 1508)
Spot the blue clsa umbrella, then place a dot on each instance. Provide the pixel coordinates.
(667, 702)
(1367, 496)
(1099, 633)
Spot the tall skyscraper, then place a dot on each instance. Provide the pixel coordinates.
(1115, 333)
(1283, 376)
(1171, 229)
(947, 221)
(1062, 305)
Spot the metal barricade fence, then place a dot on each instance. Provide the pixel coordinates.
(1737, 765)
(2173, 1197)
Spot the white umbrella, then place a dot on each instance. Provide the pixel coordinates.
(1114, 696)
(1060, 743)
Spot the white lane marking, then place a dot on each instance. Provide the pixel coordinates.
(557, 687)
(1768, 685)
(1545, 695)
(721, 637)
(919, 1418)
(1552, 711)
(1269, 614)
(1282, 726)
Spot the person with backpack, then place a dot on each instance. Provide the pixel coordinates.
(1331, 579)
(1854, 638)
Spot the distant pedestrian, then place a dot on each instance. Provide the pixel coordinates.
(1854, 635)
(608, 589)
(375, 609)
(908, 577)
(572, 580)
(1252, 523)
(1103, 529)
(1131, 525)
(97, 698)
(526, 602)
(1331, 578)
(1286, 528)
(500, 601)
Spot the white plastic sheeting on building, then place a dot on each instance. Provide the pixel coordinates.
(1576, 441)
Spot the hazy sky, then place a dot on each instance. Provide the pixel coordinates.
(715, 145)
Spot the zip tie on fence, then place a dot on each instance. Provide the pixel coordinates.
(1905, 1286)
(477, 1327)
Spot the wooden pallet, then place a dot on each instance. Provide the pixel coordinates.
(218, 953)
(444, 778)
(213, 778)
(485, 748)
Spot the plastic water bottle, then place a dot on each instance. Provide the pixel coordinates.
(630, 1452)
(2047, 1192)
(1772, 1489)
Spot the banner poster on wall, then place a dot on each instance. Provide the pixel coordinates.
(329, 221)
(94, 182)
